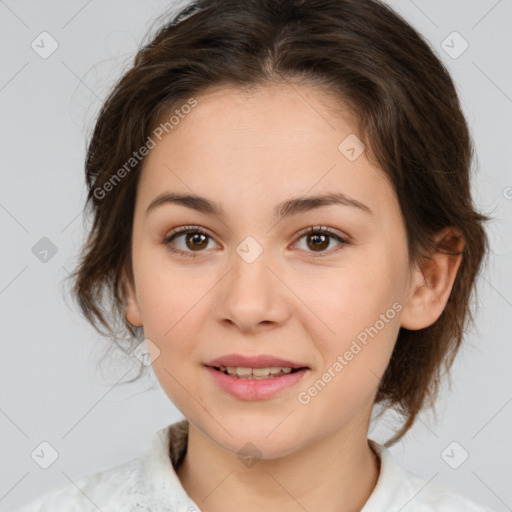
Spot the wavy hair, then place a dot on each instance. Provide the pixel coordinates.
(360, 51)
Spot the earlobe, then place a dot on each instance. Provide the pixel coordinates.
(433, 281)
(132, 310)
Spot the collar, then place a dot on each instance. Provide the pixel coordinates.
(163, 490)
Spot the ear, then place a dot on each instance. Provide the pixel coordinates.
(433, 281)
(132, 311)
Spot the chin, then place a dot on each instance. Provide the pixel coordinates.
(268, 439)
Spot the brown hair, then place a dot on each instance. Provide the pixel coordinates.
(409, 118)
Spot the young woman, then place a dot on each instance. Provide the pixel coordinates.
(283, 217)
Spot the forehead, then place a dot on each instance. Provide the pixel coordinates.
(269, 143)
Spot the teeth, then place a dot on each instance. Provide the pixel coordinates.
(261, 372)
(254, 373)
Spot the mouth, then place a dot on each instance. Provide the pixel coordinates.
(269, 372)
(255, 377)
(260, 381)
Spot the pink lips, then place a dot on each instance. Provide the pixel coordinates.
(261, 361)
(255, 389)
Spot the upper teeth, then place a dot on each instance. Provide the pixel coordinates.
(257, 372)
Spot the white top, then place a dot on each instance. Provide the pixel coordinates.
(150, 483)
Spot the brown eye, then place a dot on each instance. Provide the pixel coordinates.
(318, 241)
(319, 238)
(195, 240)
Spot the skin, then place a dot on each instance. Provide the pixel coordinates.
(249, 151)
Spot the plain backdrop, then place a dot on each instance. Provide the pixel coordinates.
(50, 388)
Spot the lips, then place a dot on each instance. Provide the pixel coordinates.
(267, 388)
(260, 361)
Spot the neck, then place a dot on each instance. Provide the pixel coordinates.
(334, 474)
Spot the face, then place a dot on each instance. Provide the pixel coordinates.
(245, 280)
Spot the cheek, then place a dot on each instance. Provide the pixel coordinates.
(165, 291)
(360, 308)
(351, 298)
(171, 321)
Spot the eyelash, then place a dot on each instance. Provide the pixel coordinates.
(196, 229)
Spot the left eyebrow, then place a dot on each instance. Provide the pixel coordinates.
(300, 204)
(285, 209)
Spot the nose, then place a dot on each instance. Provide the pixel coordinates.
(252, 296)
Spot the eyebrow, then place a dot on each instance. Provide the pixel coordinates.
(285, 209)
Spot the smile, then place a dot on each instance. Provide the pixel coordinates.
(269, 372)
(245, 383)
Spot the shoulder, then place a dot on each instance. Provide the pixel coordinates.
(141, 484)
(430, 496)
(399, 489)
(103, 490)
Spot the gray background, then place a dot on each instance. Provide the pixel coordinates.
(50, 387)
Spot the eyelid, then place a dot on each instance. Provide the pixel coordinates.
(330, 231)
